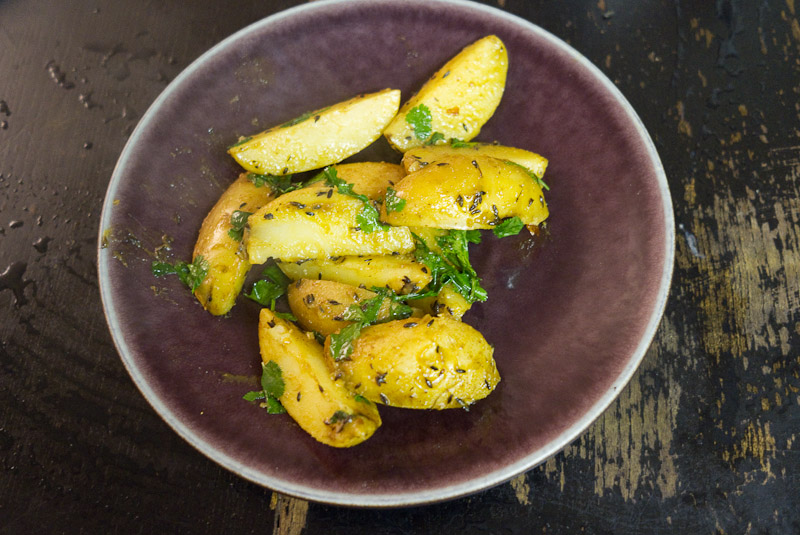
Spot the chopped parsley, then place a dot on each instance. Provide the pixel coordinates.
(238, 222)
(461, 144)
(509, 227)
(421, 120)
(452, 264)
(192, 275)
(272, 388)
(364, 314)
(279, 184)
(392, 202)
(536, 178)
(269, 288)
(241, 141)
(367, 219)
(435, 138)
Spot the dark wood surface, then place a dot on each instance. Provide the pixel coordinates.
(706, 437)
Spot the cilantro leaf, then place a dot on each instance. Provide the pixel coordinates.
(392, 202)
(509, 227)
(279, 184)
(461, 144)
(241, 141)
(536, 178)
(270, 287)
(421, 121)
(435, 138)
(452, 264)
(368, 220)
(192, 275)
(238, 222)
(342, 342)
(272, 388)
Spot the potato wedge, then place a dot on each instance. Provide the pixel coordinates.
(322, 407)
(370, 178)
(319, 305)
(318, 222)
(319, 138)
(468, 192)
(461, 96)
(416, 159)
(227, 258)
(419, 363)
(400, 273)
(448, 302)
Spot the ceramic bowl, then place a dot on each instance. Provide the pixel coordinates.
(570, 316)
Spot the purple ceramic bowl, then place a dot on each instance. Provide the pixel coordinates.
(570, 318)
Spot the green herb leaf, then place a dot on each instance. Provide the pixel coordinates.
(509, 227)
(461, 144)
(272, 379)
(272, 388)
(279, 184)
(270, 287)
(392, 202)
(238, 222)
(241, 141)
(452, 264)
(341, 346)
(435, 138)
(362, 399)
(421, 121)
(536, 178)
(191, 275)
(368, 220)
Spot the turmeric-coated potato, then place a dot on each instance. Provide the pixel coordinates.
(318, 222)
(460, 97)
(322, 137)
(227, 260)
(419, 363)
(448, 302)
(416, 159)
(321, 305)
(322, 407)
(468, 192)
(370, 178)
(400, 273)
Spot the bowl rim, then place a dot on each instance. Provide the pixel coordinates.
(400, 499)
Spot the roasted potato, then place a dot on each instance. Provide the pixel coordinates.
(467, 192)
(416, 159)
(226, 256)
(461, 96)
(400, 273)
(370, 178)
(419, 363)
(320, 305)
(317, 222)
(319, 138)
(322, 407)
(448, 302)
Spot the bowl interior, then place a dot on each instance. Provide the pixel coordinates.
(570, 316)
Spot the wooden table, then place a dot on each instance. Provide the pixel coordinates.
(705, 439)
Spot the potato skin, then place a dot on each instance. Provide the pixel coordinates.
(463, 192)
(227, 259)
(417, 158)
(319, 305)
(326, 137)
(461, 96)
(419, 363)
(317, 222)
(311, 397)
(400, 273)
